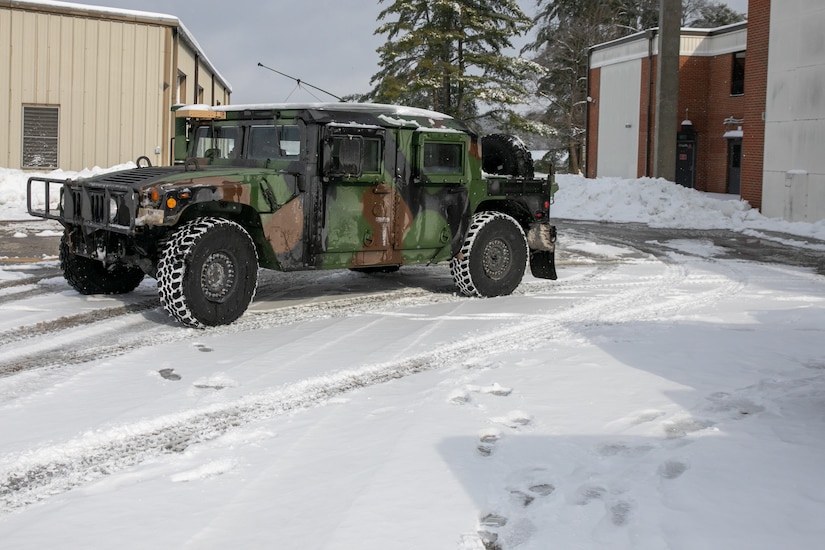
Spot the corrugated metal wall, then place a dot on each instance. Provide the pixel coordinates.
(113, 82)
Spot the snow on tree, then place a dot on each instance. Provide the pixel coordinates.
(451, 56)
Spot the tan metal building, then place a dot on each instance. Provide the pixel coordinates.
(86, 86)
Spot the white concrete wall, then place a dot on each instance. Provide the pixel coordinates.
(619, 91)
(794, 170)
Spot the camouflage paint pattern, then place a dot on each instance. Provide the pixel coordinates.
(299, 212)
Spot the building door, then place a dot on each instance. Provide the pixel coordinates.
(686, 163)
(734, 165)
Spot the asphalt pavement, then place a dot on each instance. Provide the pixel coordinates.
(29, 240)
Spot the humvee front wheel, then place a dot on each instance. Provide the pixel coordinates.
(208, 272)
(493, 258)
(89, 276)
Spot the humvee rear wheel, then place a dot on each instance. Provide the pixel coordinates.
(208, 272)
(89, 276)
(494, 256)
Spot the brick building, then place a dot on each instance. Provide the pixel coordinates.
(752, 92)
(622, 108)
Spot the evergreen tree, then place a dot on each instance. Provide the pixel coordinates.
(450, 56)
(708, 15)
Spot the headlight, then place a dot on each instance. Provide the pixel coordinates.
(112, 210)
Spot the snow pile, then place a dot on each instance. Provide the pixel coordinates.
(13, 188)
(660, 203)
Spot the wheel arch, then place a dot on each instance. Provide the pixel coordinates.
(514, 209)
(242, 214)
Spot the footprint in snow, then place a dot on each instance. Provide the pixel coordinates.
(495, 389)
(487, 441)
(497, 531)
(527, 496)
(737, 408)
(169, 374)
(202, 347)
(514, 420)
(680, 427)
(619, 448)
(672, 469)
(618, 511)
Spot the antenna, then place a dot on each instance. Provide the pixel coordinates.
(299, 81)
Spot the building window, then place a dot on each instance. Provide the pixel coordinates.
(40, 136)
(737, 81)
(181, 88)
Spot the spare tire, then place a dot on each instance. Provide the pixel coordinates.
(506, 155)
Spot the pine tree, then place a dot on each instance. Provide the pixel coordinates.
(708, 15)
(451, 56)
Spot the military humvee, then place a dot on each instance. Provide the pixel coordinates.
(294, 187)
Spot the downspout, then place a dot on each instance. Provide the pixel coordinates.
(651, 34)
(588, 95)
(195, 98)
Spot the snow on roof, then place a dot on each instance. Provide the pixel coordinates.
(373, 108)
(130, 15)
(98, 10)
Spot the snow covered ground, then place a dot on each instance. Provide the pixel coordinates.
(641, 401)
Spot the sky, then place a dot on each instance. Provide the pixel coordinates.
(639, 402)
(327, 43)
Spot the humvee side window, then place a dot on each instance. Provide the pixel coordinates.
(372, 155)
(344, 156)
(216, 141)
(443, 158)
(289, 137)
(353, 152)
(269, 142)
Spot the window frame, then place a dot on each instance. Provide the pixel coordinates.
(370, 140)
(737, 74)
(457, 173)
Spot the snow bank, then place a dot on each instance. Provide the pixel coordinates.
(659, 203)
(13, 188)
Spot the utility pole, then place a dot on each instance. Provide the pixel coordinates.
(667, 89)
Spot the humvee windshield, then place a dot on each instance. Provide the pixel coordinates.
(255, 141)
(216, 141)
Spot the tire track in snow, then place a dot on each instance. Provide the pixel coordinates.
(38, 474)
(45, 328)
(66, 351)
(20, 292)
(30, 280)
